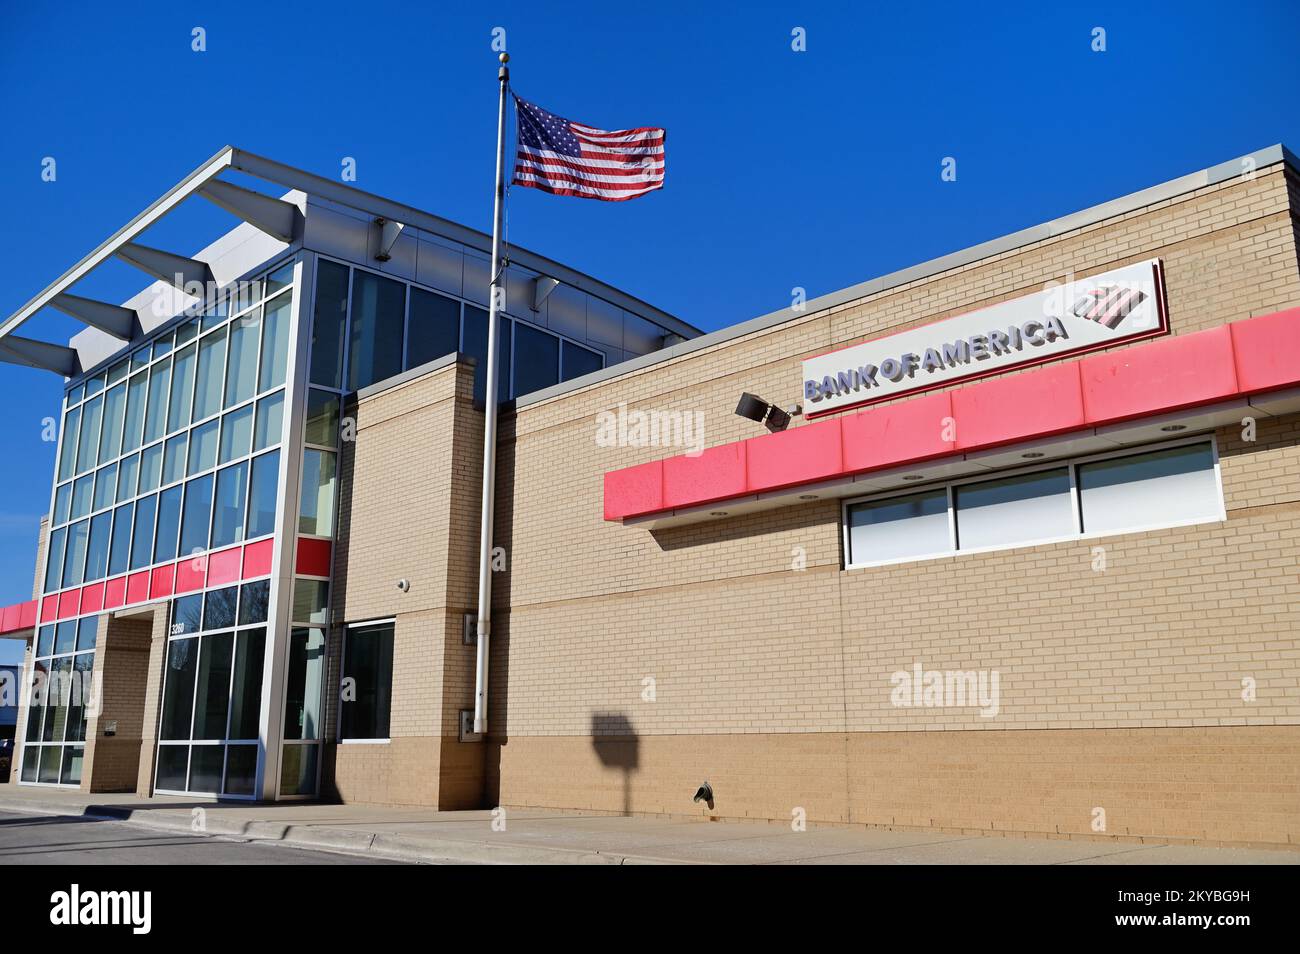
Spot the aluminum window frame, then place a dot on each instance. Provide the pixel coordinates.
(1071, 464)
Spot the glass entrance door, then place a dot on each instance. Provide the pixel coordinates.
(212, 693)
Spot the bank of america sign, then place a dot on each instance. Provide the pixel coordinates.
(1088, 313)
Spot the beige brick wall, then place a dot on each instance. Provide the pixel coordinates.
(152, 698)
(777, 681)
(409, 503)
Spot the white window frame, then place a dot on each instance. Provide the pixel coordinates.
(1071, 464)
(343, 668)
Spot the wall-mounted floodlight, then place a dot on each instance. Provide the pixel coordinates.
(754, 408)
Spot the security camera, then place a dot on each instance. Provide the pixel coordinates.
(403, 585)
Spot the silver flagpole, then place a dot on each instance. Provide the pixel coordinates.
(496, 295)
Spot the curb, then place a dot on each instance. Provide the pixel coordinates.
(340, 840)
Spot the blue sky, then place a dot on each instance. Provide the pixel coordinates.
(816, 169)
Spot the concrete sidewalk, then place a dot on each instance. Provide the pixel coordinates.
(546, 837)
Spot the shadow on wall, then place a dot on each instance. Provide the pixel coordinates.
(616, 745)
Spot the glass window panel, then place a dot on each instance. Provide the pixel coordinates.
(62, 504)
(172, 764)
(105, 486)
(899, 527)
(182, 392)
(279, 279)
(316, 516)
(236, 434)
(476, 320)
(162, 346)
(241, 371)
(151, 460)
(50, 756)
(262, 494)
(75, 395)
(178, 692)
(110, 441)
(119, 553)
(310, 601)
(368, 661)
(228, 511)
(83, 494)
(1172, 485)
(76, 552)
(36, 700)
(1011, 510)
(57, 697)
(169, 519)
(128, 474)
(246, 701)
(54, 562)
(298, 769)
(82, 691)
(322, 418)
(253, 600)
(433, 329)
(73, 757)
(142, 533)
(174, 458)
(45, 641)
(88, 440)
(117, 372)
(211, 374)
(97, 548)
(537, 359)
(241, 769)
(187, 332)
(219, 608)
(378, 313)
(270, 417)
(275, 342)
(197, 515)
(141, 357)
(155, 419)
(579, 361)
(205, 768)
(65, 636)
(31, 757)
(212, 701)
(305, 678)
(136, 394)
(187, 614)
(203, 447)
(328, 320)
(68, 454)
(95, 385)
(87, 633)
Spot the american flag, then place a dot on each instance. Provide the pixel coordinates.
(562, 157)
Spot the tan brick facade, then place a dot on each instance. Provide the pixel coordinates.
(1121, 690)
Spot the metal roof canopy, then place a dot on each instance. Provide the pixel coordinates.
(276, 217)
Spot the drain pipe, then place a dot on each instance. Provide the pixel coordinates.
(495, 296)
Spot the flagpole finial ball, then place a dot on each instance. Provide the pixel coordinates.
(504, 58)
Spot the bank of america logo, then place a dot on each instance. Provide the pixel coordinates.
(1109, 305)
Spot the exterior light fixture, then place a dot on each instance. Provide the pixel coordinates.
(717, 513)
(807, 496)
(1174, 428)
(911, 476)
(754, 408)
(1032, 455)
(704, 794)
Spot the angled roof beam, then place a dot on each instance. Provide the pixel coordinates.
(174, 197)
(277, 218)
(121, 323)
(175, 270)
(40, 354)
